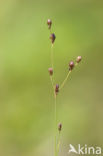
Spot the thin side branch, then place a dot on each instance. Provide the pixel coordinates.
(65, 80)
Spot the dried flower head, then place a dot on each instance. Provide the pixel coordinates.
(59, 126)
(52, 37)
(71, 65)
(56, 88)
(50, 71)
(49, 22)
(78, 59)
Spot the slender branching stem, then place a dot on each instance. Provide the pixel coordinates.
(55, 117)
(56, 88)
(65, 80)
(55, 99)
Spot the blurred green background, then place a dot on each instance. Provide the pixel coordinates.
(26, 100)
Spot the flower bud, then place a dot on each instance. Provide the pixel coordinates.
(49, 22)
(50, 71)
(52, 38)
(71, 65)
(59, 126)
(56, 88)
(78, 59)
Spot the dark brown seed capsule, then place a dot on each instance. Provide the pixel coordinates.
(56, 88)
(49, 22)
(50, 71)
(59, 126)
(71, 65)
(52, 37)
(78, 59)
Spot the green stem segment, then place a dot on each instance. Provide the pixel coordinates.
(52, 82)
(55, 125)
(65, 80)
(63, 83)
(58, 144)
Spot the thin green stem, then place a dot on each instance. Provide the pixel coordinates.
(52, 63)
(58, 144)
(52, 82)
(55, 118)
(51, 79)
(50, 31)
(55, 124)
(65, 80)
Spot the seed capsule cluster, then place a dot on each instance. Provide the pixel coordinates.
(72, 65)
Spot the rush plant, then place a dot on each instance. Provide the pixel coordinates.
(56, 87)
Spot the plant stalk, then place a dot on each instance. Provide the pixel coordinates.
(55, 125)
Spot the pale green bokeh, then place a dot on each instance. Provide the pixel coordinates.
(26, 101)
